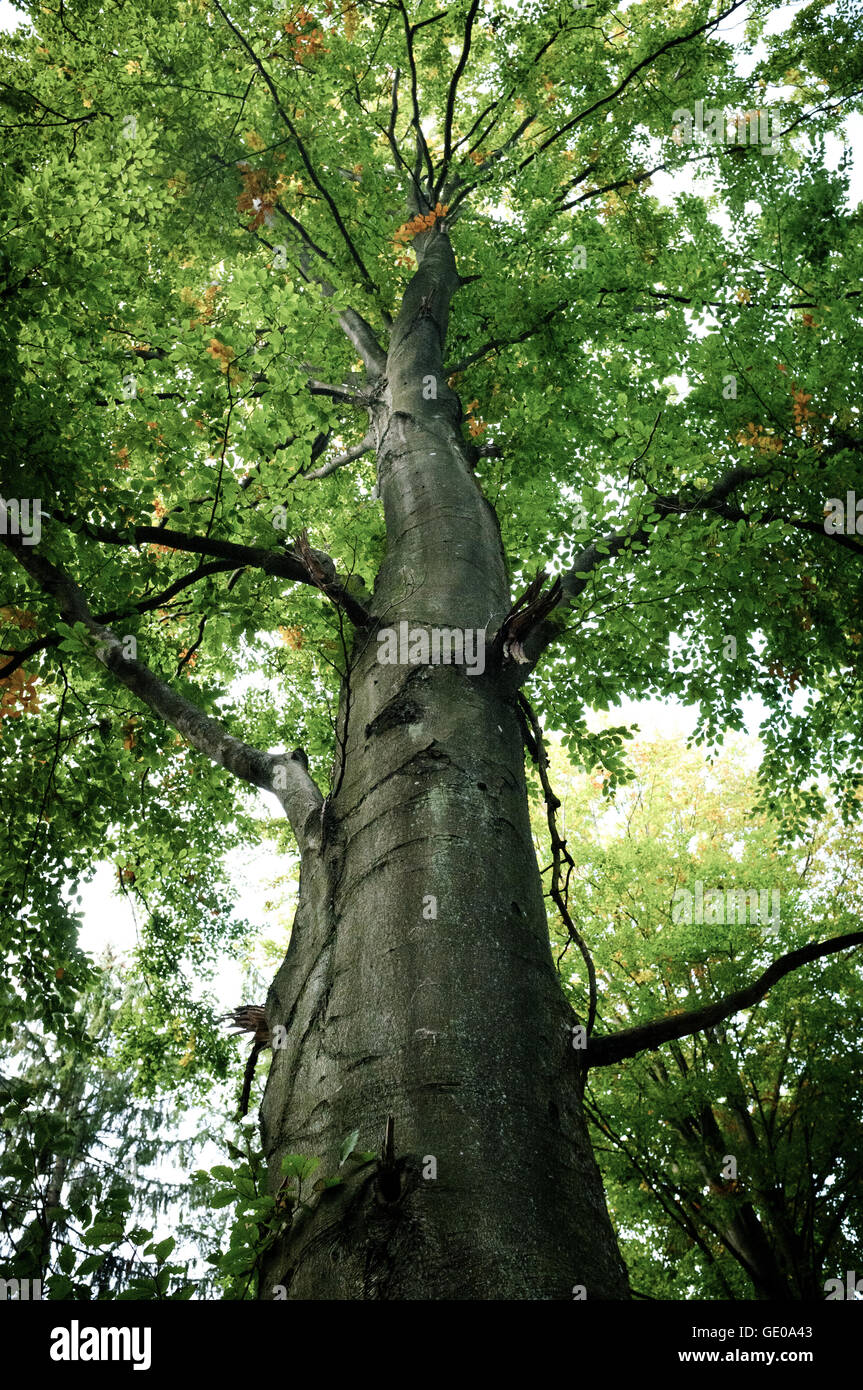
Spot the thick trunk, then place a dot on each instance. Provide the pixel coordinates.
(419, 981)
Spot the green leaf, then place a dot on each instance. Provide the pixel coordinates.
(164, 1248)
(222, 1199)
(348, 1146)
(297, 1166)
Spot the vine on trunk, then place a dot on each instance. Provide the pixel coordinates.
(562, 862)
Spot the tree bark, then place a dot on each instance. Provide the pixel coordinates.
(419, 981)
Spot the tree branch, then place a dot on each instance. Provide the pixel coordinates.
(488, 164)
(284, 776)
(498, 106)
(574, 581)
(337, 393)
(53, 639)
(309, 166)
(393, 142)
(628, 181)
(355, 328)
(631, 75)
(363, 338)
(339, 462)
(283, 563)
(422, 149)
(559, 855)
(494, 344)
(603, 1052)
(453, 89)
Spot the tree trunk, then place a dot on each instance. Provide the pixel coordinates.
(419, 981)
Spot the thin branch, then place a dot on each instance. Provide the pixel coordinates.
(309, 166)
(338, 393)
(339, 462)
(575, 580)
(494, 344)
(489, 162)
(604, 1052)
(284, 776)
(298, 227)
(393, 142)
(628, 181)
(422, 149)
(283, 563)
(714, 501)
(754, 303)
(453, 89)
(499, 104)
(159, 600)
(624, 83)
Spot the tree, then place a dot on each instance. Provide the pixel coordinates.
(251, 248)
(73, 1191)
(730, 1158)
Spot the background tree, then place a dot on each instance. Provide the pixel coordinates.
(775, 1090)
(248, 249)
(85, 1164)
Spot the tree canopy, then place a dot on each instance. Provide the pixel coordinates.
(215, 216)
(730, 1157)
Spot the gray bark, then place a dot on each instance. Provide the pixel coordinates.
(454, 1025)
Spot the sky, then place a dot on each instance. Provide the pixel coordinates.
(108, 917)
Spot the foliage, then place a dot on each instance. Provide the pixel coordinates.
(259, 1218)
(779, 1089)
(87, 1171)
